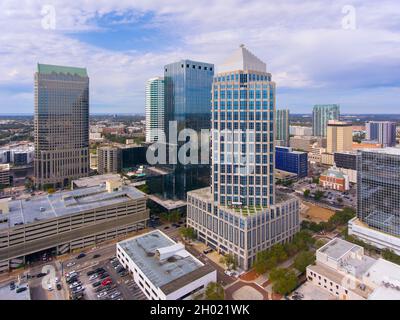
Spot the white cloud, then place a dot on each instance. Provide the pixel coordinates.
(302, 43)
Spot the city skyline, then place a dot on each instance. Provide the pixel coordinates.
(122, 45)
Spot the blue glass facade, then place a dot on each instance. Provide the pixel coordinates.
(378, 189)
(291, 161)
(188, 94)
(187, 101)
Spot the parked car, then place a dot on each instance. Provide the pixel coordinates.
(93, 276)
(49, 287)
(106, 282)
(102, 294)
(104, 275)
(71, 273)
(96, 284)
(75, 284)
(78, 289)
(96, 256)
(21, 289)
(58, 286)
(12, 285)
(207, 250)
(117, 266)
(90, 272)
(115, 295)
(228, 273)
(70, 264)
(41, 275)
(81, 255)
(72, 279)
(99, 269)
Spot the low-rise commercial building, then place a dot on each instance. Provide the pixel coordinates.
(162, 268)
(342, 269)
(4, 174)
(305, 143)
(68, 220)
(18, 154)
(372, 236)
(346, 162)
(334, 179)
(300, 131)
(291, 161)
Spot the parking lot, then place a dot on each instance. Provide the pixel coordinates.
(103, 279)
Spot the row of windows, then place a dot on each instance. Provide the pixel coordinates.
(243, 94)
(243, 77)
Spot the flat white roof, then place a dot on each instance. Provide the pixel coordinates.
(337, 247)
(389, 150)
(145, 250)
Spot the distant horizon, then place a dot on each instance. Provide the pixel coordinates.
(142, 114)
(316, 51)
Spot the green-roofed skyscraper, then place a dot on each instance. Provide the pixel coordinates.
(61, 124)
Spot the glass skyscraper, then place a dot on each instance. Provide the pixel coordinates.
(378, 189)
(243, 159)
(322, 113)
(241, 214)
(282, 127)
(155, 108)
(188, 94)
(61, 124)
(383, 132)
(187, 101)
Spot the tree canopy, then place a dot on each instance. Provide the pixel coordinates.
(283, 280)
(214, 291)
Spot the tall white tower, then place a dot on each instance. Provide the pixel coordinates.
(155, 108)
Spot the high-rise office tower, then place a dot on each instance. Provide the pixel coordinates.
(61, 124)
(282, 127)
(384, 132)
(378, 198)
(187, 101)
(339, 136)
(322, 113)
(155, 108)
(242, 214)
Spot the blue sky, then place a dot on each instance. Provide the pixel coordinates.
(317, 51)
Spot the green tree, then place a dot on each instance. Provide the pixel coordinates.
(306, 193)
(318, 194)
(214, 291)
(188, 233)
(303, 259)
(230, 261)
(302, 240)
(283, 280)
(174, 216)
(28, 183)
(278, 251)
(144, 188)
(319, 243)
(391, 256)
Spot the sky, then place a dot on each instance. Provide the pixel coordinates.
(318, 52)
